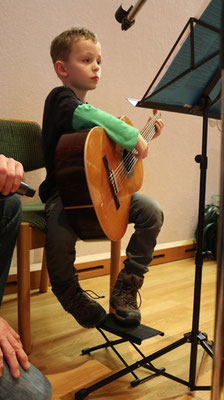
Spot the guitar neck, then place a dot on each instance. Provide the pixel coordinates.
(149, 130)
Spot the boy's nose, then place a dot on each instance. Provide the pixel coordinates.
(96, 66)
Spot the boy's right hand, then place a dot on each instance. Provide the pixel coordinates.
(141, 147)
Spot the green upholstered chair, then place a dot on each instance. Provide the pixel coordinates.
(22, 140)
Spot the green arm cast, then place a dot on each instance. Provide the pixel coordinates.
(87, 117)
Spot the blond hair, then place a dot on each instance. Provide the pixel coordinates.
(61, 45)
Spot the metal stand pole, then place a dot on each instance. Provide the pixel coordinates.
(202, 159)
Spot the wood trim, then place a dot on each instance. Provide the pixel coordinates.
(173, 251)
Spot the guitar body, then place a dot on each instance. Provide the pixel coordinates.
(93, 209)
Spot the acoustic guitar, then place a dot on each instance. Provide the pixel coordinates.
(96, 179)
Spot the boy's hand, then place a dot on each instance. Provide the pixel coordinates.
(11, 349)
(11, 175)
(141, 148)
(159, 124)
(141, 145)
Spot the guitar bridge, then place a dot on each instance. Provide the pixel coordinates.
(112, 182)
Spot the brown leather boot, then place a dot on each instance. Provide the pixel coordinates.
(124, 298)
(77, 302)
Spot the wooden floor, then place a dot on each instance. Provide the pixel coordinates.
(167, 306)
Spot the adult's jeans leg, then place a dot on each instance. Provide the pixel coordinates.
(10, 218)
(30, 385)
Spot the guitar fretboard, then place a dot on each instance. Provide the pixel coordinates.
(125, 168)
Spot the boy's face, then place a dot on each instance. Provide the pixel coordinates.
(83, 68)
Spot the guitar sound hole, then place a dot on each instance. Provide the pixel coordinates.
(128, 161)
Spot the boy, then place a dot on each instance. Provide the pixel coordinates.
(76, 55)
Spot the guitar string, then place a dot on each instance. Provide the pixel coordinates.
(146, 132)
(124, 168)
(120, 174)
(147, 129)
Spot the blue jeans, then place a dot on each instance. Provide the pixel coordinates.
(10, 218)
(145, 214)
(31, 384)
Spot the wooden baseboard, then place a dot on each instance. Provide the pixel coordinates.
(99, 264)
(173, 251)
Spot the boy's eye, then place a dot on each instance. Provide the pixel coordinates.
(86, 60)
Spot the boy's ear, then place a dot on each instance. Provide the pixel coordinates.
(60, 69)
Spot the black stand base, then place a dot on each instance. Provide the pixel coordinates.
(135, 335)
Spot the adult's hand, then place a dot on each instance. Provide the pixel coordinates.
(11, 175)
(11, 349)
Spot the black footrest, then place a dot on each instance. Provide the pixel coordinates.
(135, 334)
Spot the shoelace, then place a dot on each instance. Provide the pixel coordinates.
(128, 300)
(88, 292)
(140, 298)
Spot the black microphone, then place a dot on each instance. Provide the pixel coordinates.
(23, 189)
(127, 18)
(26, 190)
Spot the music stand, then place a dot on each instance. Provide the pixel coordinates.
(192, 85)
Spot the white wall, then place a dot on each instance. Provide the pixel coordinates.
(130, 62)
